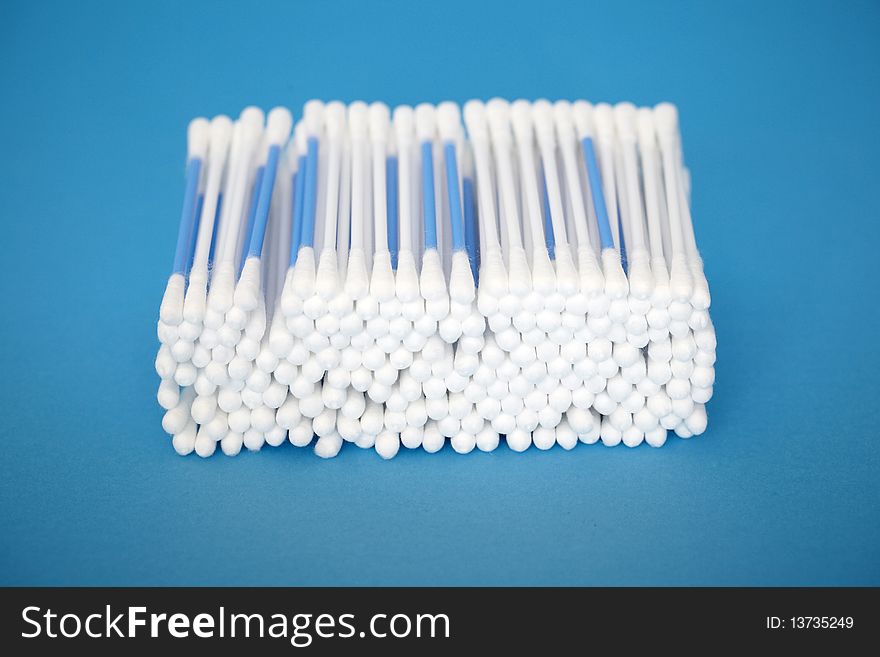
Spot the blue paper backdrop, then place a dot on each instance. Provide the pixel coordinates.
(778, 104)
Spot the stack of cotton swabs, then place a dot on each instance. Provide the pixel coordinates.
(526, 271)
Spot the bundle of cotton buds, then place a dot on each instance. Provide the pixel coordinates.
(518, 270)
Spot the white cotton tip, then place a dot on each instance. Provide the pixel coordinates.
(218, 426)
(328, 446)
(682, 407)
(357, 282)
(542, 119)
(682, 431)
(258, 380)
(475, 119)
(487, 439)
(680, 280)
(684, 348)
(659, 404)
(165, 364)
(624, 115)
(301, 435)
(262, 419)
(543, 275)
(407, 278)
(403, 125)
(644, 419)
(195, 301)
(214, 319)
(697, 420)
(349, 428)
(198, 354)
(231, 443)
(666, 121)
(463, 442)
(334, 119)
(549, 417)
(247, 291)
(304, 273)
(544, 438)
(182, 351)
(701, 298)
(275, 436)
(372, 419)
(521, 120)
(431, 282)
(365, 440)
(519, 275)
(498, 114)
(358, 119)
(425, 117)
(252, 119)
(566, 273)
(610, 435)
(632, 436)
(582, 113)
(275, 395)
(616, 284)
(185, 375)
(288, 416)
(382, 280)
(171, 309)
(559, 399)
(641, 280)
(656, 437)
(266, 360)
(566, 436)
(645, 128)
(448, 121)
(493, 274)
(361, 379)
(184, 442)
(311, 405)
(167, 333)
(175, 419)
(703, 377)
(625, 354)
(461, 279)
(198, 135)
(324, 423)
(168, 395)
(646, 387)
(620, 419)
(221, 134)
(432, 440)
(278, 125)
(411, 437)
(326, 282)
(519, 440)
(591, 436)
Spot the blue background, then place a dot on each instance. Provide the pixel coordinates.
(778, 104)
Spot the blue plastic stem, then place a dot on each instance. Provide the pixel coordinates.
(391, 196)
(261, 217)
(298, 193)
(428, 196)
(470, 226)
(605, 238)
(452, 189)
(216, 230)
(310, 193)
(194, 233)
(549, 237)
(252, 212)
(187, 215)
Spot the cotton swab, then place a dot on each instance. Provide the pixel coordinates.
(588, 320)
